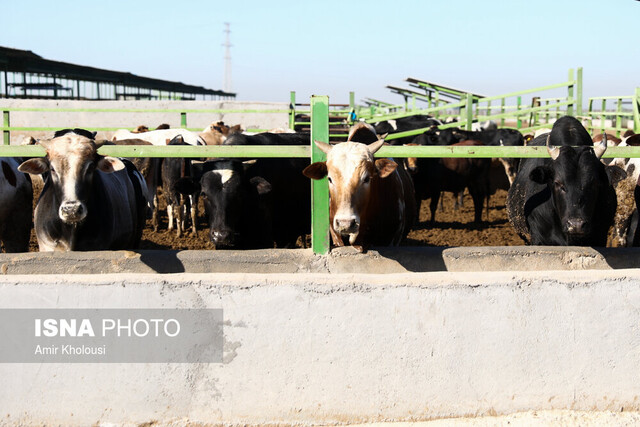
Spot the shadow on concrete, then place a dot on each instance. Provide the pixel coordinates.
(162, 261)
(416, 259)
(620, 258)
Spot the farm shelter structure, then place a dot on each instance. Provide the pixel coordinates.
(24, 74)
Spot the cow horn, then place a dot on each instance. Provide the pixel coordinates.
(554, 152)
(45, 143)
(602, 147)
(375, 146)
(323, 146)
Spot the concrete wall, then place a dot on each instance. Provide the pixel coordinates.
(336, 348)
(63, 120)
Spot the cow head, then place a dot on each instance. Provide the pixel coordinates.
(351, 172)
(576, 177)
(229, 197)
(71, 161)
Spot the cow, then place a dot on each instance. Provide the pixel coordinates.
(150, 169)
(567, 199)
(290, 190)
(432, 176)
(216, 133)
(404, 124)
(89, 201)
(16, 198)
(173, 169)
(238, 208)
(625, 224)
(159, 137)
(371, 202)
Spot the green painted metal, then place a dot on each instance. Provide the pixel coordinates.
(320, 240)
(183, 119)
(469, 110)
(292, 110)
(570, 92)
(636, 111)
(579, 93)
(6, 133)
(519, 112)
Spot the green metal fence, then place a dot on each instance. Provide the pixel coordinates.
(320, 111)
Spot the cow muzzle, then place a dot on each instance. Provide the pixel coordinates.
(223, 239)
(346, 224)
(577, 226)
(72, 212)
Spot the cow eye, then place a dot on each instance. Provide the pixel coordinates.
(330, 180)
(366, 179)
(560, 186)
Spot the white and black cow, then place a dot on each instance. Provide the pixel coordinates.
(238, 208)
(16, 198)
(567, 199)
(89, 201)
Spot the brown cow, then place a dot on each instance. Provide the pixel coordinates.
(371, 201)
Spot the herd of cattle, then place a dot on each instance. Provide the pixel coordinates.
(95, 202)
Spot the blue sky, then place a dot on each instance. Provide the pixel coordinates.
(331, 47)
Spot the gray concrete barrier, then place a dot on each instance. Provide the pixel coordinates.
(318, 348)
(340, 260)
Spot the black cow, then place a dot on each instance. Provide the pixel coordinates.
(404, 124)
(568, 199)
(238, 208)
(16, 198)
(432, 176)
(89, 201)
(291, 192)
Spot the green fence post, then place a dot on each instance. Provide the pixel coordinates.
(320, 242)
(570, 93)
(183, 120)
(6, 123)
(602, 116)
(469, 110)
(636, 111)
(518, 117)
(292, 109)
(502, 101)
(619, 118)
(579, 93)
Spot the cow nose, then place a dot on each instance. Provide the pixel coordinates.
(346, 225)
(223, 238)
(576, 226)
(72, 211)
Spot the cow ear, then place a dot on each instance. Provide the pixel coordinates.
(615, 174)
(633, 140)
(385, 167)
(317, 170)
(109, 164)
(35, 166)
(187, 186)
(541, 174)
(262, 185)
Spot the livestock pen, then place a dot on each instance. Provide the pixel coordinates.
(313, 336)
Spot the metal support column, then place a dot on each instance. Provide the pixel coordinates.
(320, 241)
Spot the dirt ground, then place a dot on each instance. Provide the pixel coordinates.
(452, 228)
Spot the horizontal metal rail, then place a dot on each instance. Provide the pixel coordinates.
(303, 151)
(141, 110)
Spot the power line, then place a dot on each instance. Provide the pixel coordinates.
(227, 59)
